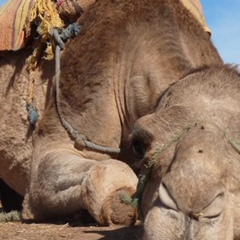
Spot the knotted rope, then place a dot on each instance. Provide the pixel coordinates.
(52, 35)
(45, 13)
(80, 139)
(32, 111)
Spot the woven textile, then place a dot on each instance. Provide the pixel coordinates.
(13, 16)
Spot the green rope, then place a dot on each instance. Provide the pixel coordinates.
(234, 144)
(135, 200)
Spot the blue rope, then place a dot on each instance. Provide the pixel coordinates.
(32, 113)
(72, 30)
(62, 35)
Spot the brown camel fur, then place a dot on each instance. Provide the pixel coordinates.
(113, 73)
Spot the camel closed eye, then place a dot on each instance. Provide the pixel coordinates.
(215, 208)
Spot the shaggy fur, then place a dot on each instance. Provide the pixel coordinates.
(113, 73)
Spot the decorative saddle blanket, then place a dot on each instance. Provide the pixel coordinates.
(13, 16)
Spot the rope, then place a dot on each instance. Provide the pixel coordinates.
(45, 12)
(45, 15)
(233, 143)
(80, 139)
(135, 200)
(30, 87)
(32, 111)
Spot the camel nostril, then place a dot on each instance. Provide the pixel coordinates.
(166, 198)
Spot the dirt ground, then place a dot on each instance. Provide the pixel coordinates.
(20, 231)
(66, 231)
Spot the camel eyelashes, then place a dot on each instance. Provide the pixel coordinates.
(140, 141)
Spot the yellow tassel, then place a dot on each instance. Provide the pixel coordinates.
(49, 17)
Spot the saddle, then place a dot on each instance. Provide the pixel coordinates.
(17, 18)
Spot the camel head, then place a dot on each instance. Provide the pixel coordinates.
(190, 160)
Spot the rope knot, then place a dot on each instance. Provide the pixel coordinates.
(61, 35)
(32, 113)
(80, 141)
(72, 30)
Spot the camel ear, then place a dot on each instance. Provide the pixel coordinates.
(142, 95)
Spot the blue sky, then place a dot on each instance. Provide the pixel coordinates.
(223, 17)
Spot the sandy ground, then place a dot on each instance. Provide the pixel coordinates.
(20, 231)
(66, 231)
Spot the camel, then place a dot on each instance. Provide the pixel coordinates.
(81, 153)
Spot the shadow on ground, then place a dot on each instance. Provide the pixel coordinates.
(124, 233)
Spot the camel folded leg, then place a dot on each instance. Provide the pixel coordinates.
(64, 183)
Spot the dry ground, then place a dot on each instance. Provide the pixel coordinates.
(20, 231)
(16, 230)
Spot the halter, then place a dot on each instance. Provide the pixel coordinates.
(135, 200)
